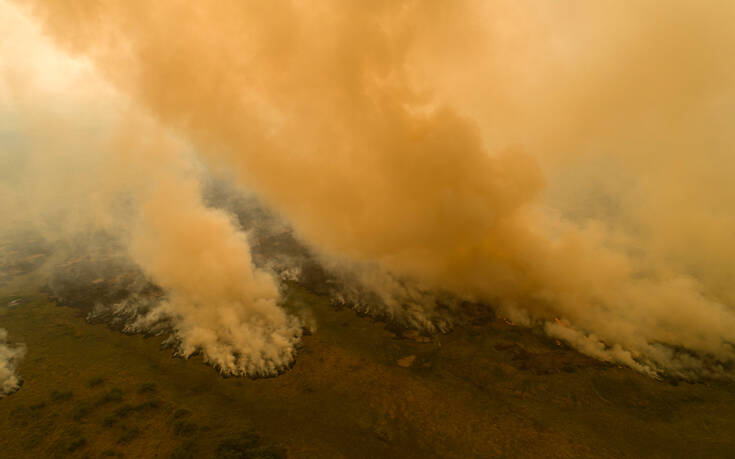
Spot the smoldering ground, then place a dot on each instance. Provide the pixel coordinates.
(567, 163)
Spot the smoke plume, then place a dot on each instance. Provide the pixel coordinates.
(568, 162)
(218, 302)
(9, 356)
(75, 172)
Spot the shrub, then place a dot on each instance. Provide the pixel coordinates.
(184, 428)
(239, 446)
(181, 413)
(266, 452)
(184, 451)
(76, 443)
(111, 396)
(61, 395)
(129, 435)
(110, 421)
(81, 410)
(148, 405)
(37, 406)
(94, 382)
(148, 387)
(124, 410)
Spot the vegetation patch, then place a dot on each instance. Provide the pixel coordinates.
(37, 406)
(110, 420)
(184, 428)
(61, 395)
(148, 405)
(129, 435)
(184, 451)
(181, 413)
(97, 381)
(247, 445)
(76, 443)
(69, 443)
(81, 410)
(147, 388)
(111, 396)
(124, 410)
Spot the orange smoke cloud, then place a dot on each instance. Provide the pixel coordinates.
(554, 159)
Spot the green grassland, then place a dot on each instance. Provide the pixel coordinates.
(359, 388)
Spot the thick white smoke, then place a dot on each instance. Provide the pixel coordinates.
(9, 357)
(217, 302)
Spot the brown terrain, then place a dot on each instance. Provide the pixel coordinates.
(360, 387)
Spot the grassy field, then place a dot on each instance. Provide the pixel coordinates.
(359, 388)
